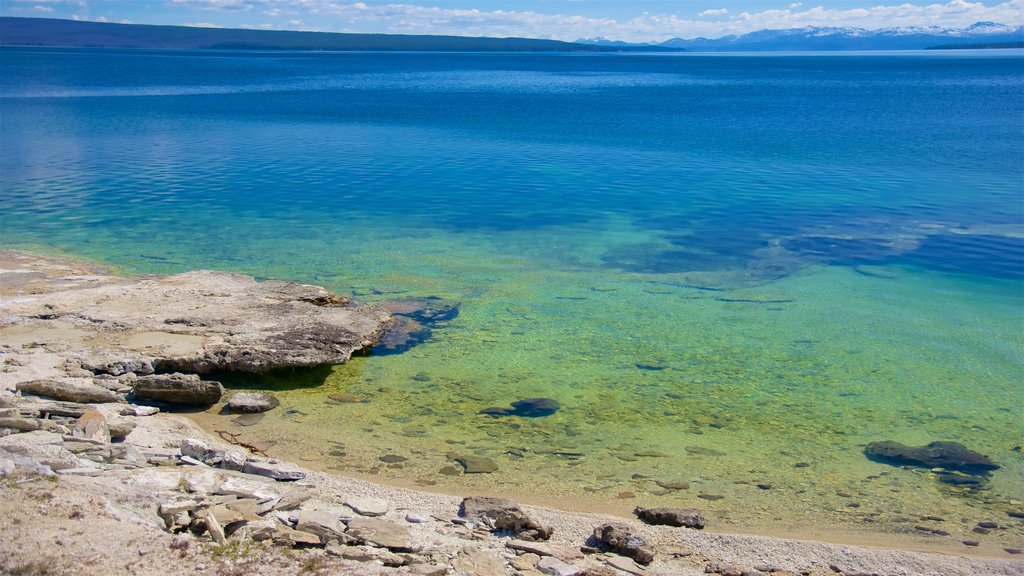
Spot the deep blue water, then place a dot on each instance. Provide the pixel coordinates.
(812, 251)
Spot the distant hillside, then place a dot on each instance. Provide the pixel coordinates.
(979, 46)
(810, 38)
(53, 32)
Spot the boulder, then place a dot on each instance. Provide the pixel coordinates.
(69, 391)
(948, 455)
(505, 514)
(92, 426)
(177, 388)
(687, 517)
(252, 402)
(621, 539)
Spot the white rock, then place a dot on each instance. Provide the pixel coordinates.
(368, 506)
(202, 481)
(272, 470)
(80, 472)
(233, 460)
(135, 410)
(416, 518)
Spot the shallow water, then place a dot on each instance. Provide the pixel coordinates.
(729, 271)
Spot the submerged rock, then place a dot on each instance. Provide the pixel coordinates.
(942, 454)
(476, 464)
(526, 408)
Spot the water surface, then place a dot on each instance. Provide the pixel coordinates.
(728, 270)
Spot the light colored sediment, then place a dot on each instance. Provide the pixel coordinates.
(102, 515)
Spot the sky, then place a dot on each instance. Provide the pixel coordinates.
(628, 20)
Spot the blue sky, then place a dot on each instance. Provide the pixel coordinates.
(631, 20)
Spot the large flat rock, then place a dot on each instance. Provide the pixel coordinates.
(197, 322)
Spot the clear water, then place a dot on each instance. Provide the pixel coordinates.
(722, 267)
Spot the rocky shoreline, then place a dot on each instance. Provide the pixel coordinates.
(96, 480)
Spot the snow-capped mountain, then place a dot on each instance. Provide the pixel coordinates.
(833, 38)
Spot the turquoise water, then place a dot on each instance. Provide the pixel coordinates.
(722, 267)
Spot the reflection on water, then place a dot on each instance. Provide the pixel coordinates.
(728, 274)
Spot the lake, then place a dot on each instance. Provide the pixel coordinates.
(731, 272)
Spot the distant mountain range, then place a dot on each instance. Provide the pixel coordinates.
(978, 35)
(55, 32)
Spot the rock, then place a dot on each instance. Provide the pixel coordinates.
(620, 539)
(687, 517)
(948, 455)
(233, 460)
(215, 530)
(291, 537)
(416, 518)
(119, 427)
(471, 561)
(504, 515)
(252, 402)
(68, 391)
(526, 561)
(39, 458)
(626, 565)
(200, 450)
(6, 467)
(538, 548)
(368, 506)
(23, 424)
(92, 426)
(476, 464)
(53, 407)
(202, 481)
(555, 567)
(133, 410)
(673, 484)
(80, 472)
(367, 554)
(177, 388)
(381, 533)
(526, 408)
(324, 523)
(273, 470)
(248, 419)
(172, 507)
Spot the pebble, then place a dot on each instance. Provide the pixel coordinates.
(416, 518)
(990, 525)
(970, 542)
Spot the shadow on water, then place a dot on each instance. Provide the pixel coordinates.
(280, 379)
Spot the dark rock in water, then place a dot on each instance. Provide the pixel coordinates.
(527, 408)
(252, 402)
(688, 517)
(177, 389)
(948, 455)
(392, 458)
(960, 479)
(476, 464)
(413, 323)
(703, 451)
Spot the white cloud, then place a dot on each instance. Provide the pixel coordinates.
(719, 12)
(201, 25)
(101, 19)
(426, 19)
(42, 8)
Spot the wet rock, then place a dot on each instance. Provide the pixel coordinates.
(504, 514)
(177, 388)
(252, 402)
(92, 426)
(368, 506)
(382, 533)
(449, 471)
(948, 455)
(476, 464)
(526, 408)
(621, 540)
(685, 517)
(955, 479)
(69, 391)
(392, 459)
